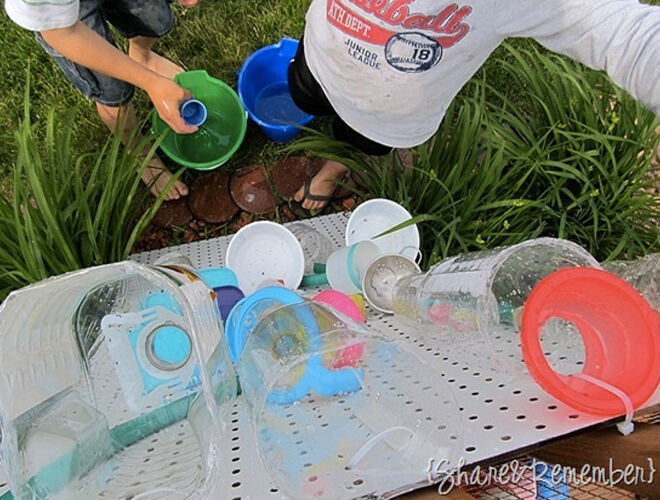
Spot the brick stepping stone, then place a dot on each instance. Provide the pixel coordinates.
(250, 190)
(289, 174)
(174, 213)
(209, 199)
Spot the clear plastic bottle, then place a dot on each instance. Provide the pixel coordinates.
(332, 402)
(474, 300)
(643, 274)
(97, 361)
(316, 247)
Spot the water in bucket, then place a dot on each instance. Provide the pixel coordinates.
(212, 140)
(218, 138)
(264, 91)
(274, 104)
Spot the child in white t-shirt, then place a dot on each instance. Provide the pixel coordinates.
(76, 34)
(389, 68)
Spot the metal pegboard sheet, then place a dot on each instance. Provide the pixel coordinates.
(500, 414)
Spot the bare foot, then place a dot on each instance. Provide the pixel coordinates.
(322, 186)
(156, 176)
(157, 63)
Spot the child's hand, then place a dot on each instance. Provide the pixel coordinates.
(167, 97)
(188, 4)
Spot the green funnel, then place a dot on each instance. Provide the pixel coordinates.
(219, 136)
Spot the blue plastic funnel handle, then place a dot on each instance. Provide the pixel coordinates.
(193, 112)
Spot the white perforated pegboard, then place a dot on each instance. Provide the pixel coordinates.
(500, 413)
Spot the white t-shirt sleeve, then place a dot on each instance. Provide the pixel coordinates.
(621, 37)
(41, 15)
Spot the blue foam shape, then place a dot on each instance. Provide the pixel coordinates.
(171, 345)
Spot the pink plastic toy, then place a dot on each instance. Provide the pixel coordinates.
(350, 356)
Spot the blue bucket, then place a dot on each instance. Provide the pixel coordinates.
(264, 91)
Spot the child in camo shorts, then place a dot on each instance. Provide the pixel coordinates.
(77, 35)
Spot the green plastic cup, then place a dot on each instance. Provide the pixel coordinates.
(220, 135)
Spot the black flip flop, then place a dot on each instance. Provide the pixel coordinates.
(315, 197)
(319, 197)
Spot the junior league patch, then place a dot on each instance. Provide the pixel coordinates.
(412, 52)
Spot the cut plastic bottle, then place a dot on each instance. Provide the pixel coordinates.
(329, 428)
(107, 368)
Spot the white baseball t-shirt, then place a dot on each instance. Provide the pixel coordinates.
(42, 15)
(390, 68)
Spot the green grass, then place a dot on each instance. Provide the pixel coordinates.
(215, 36)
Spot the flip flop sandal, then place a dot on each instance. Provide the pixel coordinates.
(338, 193)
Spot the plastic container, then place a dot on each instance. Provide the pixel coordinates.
(341, 302)
(221, 134)
(348, 306)
(227, 297)
(324, 429)
(381, 277)
(643, 274)
(346, 266)
(217, 277)
(194, 112)
(264, 91)
(265, 251)
(475, 301)
(377, 216)
(110, 364)
(620, 332)
(316, 247)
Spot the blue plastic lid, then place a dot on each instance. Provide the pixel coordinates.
(237, 328)
(216, 277)
(171, 345)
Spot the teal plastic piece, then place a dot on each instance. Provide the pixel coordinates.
(314, 280)
(215, 277)
(55, 475)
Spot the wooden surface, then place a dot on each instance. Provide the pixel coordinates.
(598, 447)
(431, 493)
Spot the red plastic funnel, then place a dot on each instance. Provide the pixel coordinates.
(619, 329)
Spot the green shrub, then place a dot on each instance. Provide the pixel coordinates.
(585, 147)
(70, 210)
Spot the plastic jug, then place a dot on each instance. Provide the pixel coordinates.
(643, 274)
(95, 363)
(330, 429)
(475, 301)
